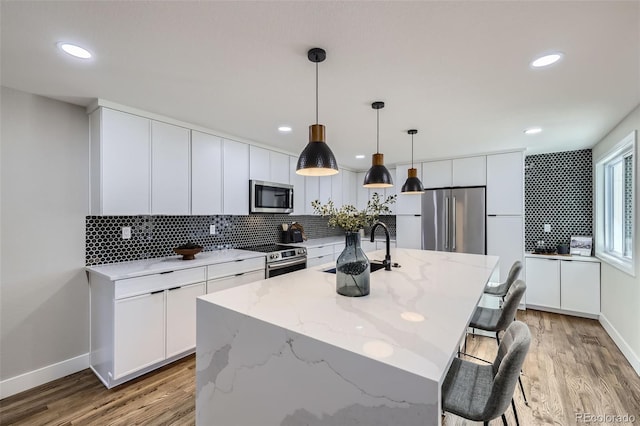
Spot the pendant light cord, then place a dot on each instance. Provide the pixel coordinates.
(412, 151)
(316, 93)
(377, 131)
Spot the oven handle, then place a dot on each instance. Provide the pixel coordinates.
(285, 264)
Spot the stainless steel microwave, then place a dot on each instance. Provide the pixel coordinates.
(270, 197)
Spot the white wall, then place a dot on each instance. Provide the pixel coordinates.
(620, 292)
(44, 295)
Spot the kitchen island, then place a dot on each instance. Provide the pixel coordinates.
(291, 351)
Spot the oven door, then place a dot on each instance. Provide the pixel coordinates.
(283, 267)
(270, 197)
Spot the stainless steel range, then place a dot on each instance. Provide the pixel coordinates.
(282, 259)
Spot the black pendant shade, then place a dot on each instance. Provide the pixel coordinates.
(317, 159)
(377, 176)
(412, 185)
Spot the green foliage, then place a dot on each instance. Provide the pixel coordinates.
(349, 218)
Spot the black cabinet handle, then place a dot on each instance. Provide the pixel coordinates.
(156, 292)
(174, 288)
(166, 272)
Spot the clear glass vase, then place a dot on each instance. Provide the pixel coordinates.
(352, 268)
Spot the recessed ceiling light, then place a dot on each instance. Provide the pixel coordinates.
(533, 131)
(546, 60)
(73, 50)
(360, 156)
(284, 129)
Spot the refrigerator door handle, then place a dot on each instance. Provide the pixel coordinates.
(453, 232)
(446, 223)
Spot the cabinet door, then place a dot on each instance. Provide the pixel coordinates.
(181, 318)
(170, 173)
(349, 188)
(436, 174)
(362, 193)
(505, 183)
(206, 174)
(395, 189)
(235, 178)
(125, 164)
(470, 171)
(278, 167)
(407, 204)
(138, 333)
(311, 192)
(505, 239)
(324, 188)
(336, 188)
(298, 183)
(543, 282)
(580, 286)
(409, 231)
(259, 163)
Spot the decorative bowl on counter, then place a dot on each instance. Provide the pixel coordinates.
(188, 251)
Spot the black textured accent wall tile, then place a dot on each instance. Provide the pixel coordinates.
(156, 236)
(558, 191)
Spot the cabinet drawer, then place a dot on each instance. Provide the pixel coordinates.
(234, 281)
(148, 283)
(320, 251)
(236, 267)
(315, 261)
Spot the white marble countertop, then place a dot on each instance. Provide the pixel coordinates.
(563, 257)
(413, 319)
(137, 268)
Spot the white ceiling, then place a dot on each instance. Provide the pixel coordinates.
(457, 71)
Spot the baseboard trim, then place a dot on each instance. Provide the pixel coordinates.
(624, 347)
(43, 375)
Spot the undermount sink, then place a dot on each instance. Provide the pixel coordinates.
(373, 266)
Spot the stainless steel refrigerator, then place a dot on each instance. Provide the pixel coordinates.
(454, 220)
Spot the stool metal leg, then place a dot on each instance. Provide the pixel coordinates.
(504, 420)
(515, 412)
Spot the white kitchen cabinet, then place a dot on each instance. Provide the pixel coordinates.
(543, 282)
(324, 188)
(311, 192)
(564, 285)
(120, 163)
(437, 174)
(231, 274)
(336, 188)
(362, 193)
(469, 171)
(580, 286)
(505, 189)
(181, 318)
(349, 188)
(298, 182)
(139, 333)
(394, 190)
(407, 204)
(320, 254)
(170, 169)
(206, 174)
(267, 165)
(259, 164)
(367, 245)
(279, 167)
(409, 231)
(505, 238)
(235, 178)
(234, 281)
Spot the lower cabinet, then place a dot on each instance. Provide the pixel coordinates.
(565, 286)
(181, 318)
(322, 254)
(232, 274)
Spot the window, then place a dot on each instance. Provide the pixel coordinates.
(615, 194)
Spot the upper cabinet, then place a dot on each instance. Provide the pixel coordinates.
(206, 174)
(311, 192)
(505, 174)
(298, 187)
(469, 171)
(267, 165)
(235, 177)
(349, 187)
(120, 163)
(336, 189)
(170, 169)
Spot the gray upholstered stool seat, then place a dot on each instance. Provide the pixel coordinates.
(501, 289)
(483, 392)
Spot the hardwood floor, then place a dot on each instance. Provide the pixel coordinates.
(572, 367)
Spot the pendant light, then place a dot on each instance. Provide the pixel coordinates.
(317, 159)
(413, 184)
(378, 176)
